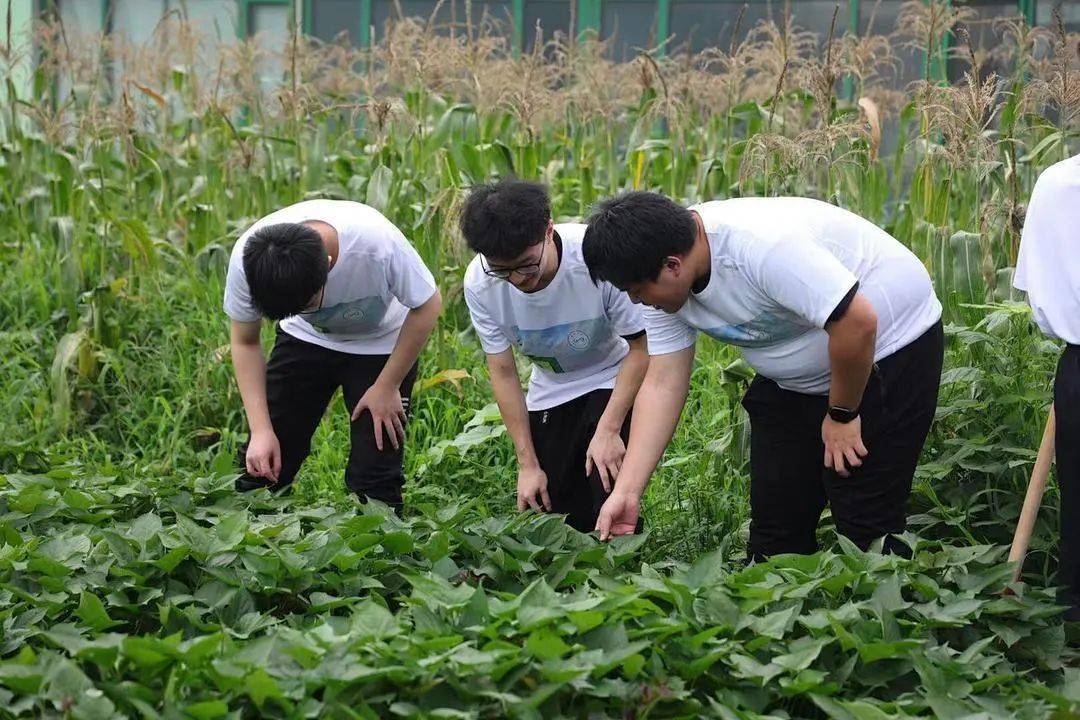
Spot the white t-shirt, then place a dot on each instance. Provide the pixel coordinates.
(1048, 268)
(572, 330)
(377, 278)
(780, 267)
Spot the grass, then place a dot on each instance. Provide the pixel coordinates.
(121, 203)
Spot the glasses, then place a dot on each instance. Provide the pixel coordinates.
(317, 308)
(527, 270)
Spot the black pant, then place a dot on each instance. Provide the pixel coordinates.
(1067, 441)
(300, 381)
(789, 483)
(561, 437)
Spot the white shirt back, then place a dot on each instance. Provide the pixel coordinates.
(780, 267)
(377, 278)
(571, 330)
(1048, 266)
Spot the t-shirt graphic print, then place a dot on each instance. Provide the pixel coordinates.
(765, 329)
(572, 330)
(355, 316)
(377, 278)
(569, 347)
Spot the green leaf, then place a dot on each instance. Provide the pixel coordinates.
(207, 710)
(93, 613)
(260, 687)
(546, 645)
(379, 186)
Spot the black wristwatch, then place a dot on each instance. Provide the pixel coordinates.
(842, 415)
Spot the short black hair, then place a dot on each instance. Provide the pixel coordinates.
(285, 266)
(502, 220)
(629, 236)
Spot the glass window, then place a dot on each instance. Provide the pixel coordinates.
(699, 24)
(80, 16)
(271, 24)
(984, 38)
(552, 16)
(1069, 9)
(384, 11)
(879, 18)
(215, 19)
(816, 16)
(331, 18)
(629, 26)
(136, 20)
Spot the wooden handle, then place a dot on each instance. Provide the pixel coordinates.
(1036, 486)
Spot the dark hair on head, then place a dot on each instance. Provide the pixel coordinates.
(501, 220)
(629, 236)
(285, 266)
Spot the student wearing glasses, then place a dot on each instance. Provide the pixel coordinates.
(355, 305)
(528, 288)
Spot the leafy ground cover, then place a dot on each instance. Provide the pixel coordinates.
(134, 582)
(179, 598)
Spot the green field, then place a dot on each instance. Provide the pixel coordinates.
(135, 582)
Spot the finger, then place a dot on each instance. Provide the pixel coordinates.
(399, 430)
(531, 497)
(521, 503)
(386, 432)
(545, 498)
(838, 464)
(828, 458)
(588, 463)
(250, 466)
(603, 472)
(391, 431)
(861, 448)
(376, 424)
(852, 457)
(275, 463)
(603, 526)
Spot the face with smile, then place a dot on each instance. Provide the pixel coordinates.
(669, 291)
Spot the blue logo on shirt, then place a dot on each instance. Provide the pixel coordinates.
(765, 329)
(570, 346)
(348, 318)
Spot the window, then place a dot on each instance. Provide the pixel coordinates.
(699, 24)
(552, 16)
(629, 26)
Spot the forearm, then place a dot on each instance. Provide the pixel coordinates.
(416, 329)
(656, 415)
(627, 384)
(515, 415)
(250, 367)
(851, 357)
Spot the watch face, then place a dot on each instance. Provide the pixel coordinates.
(843, 415)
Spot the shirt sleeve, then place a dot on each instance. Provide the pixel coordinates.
(667, 333)
(237, 304)
(492, 337)
(804, 278)
(409, 279)
(626, 317)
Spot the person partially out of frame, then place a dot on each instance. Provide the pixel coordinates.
(837, 317)
(354, 305)
(528, 288)
(1048, 270)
